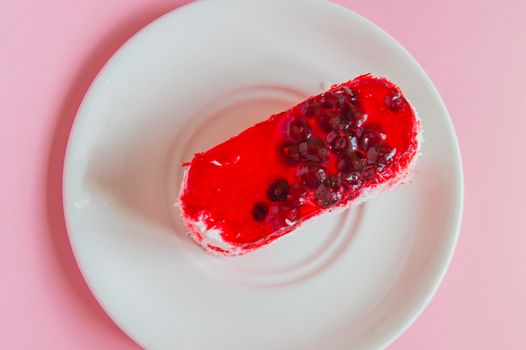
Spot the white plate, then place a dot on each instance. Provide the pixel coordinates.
(187, 81)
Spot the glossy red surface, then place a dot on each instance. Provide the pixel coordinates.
(321, 153)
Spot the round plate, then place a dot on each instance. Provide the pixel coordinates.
(196, 76)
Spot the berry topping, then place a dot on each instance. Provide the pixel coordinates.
(290, 153)
(314, 150)
(395, 101)
(311, 175)
(349, 115)
(298, 130)
(259, 211)
(278, 190)
(353, 161)
(326, 197)
(345, 95)
(338, 144)
(372, 137)
(328, 101)
(333, 181)
(309, 109)
(330, 121)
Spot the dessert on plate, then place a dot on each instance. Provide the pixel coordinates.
(327, 153)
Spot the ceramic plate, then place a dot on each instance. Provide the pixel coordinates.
(195, 77)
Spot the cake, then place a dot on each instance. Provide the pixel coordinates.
(327, 153)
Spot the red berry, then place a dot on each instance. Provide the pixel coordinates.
(311, 175)
(326, 197)
(395, 101)
(290, 153)
(278, 190)
(298, 130)
(314, 150)
(259, 211)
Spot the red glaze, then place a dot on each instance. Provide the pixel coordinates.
(229, 186)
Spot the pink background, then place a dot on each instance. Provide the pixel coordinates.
(475, 52)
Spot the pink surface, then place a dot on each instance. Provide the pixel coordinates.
(475, 52)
